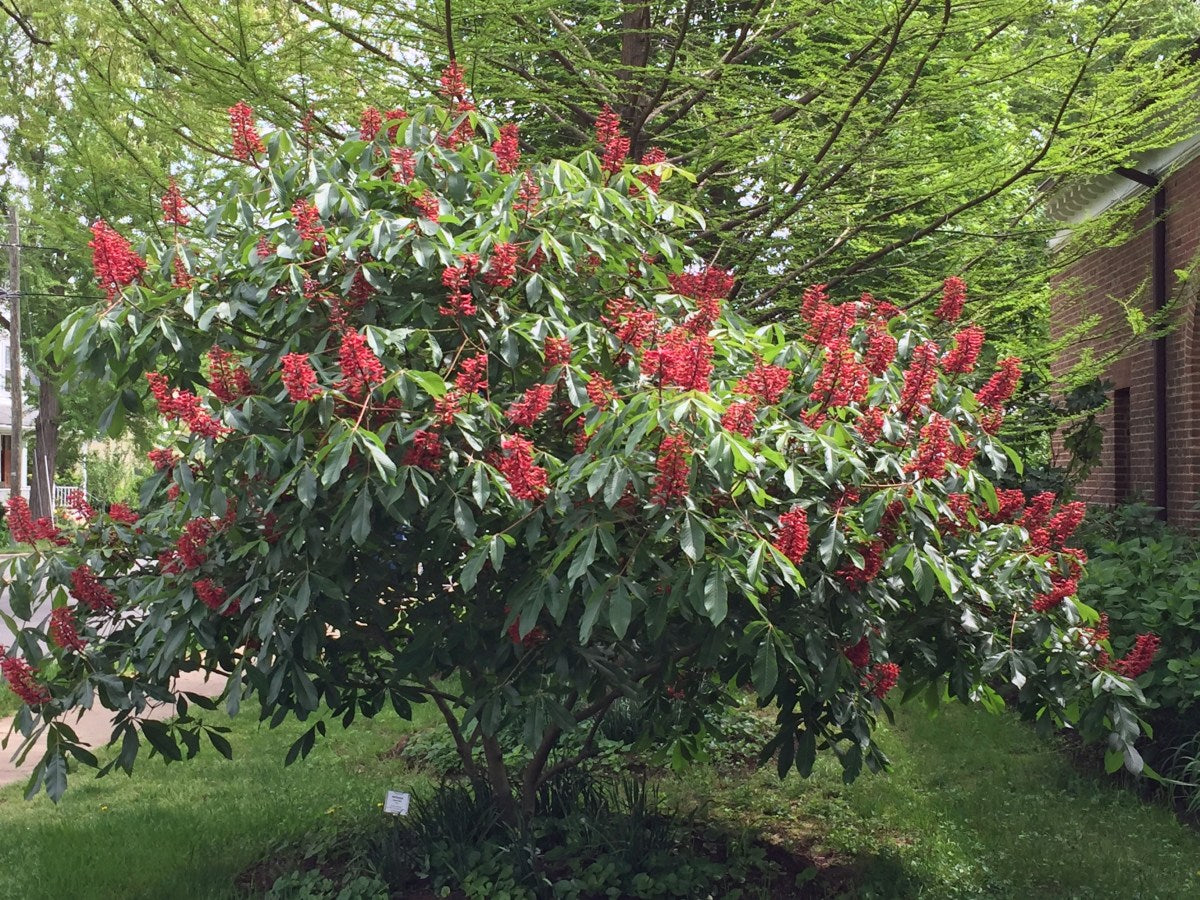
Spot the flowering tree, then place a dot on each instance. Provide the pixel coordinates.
(450, 427)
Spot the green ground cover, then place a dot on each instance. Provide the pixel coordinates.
(975, 806)
(8, 702)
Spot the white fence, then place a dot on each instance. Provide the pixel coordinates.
(62, 493)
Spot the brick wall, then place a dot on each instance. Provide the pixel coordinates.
(1092, 287)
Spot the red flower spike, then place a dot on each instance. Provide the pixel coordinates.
(652, 179)
(815, 297)
(791, 537)
(531, 406)
(427, 206)
(369, 124)
(122, 514)
(954, 296)
(214, 596)
(246, 142)
(425, 452)
(1137, 661)
(933, 451)
(397, 116)
(78, 504)
(473, 374)
(299, 377)
(529, 197)
(766, 383)
(19, 675)
(453, 85)
(163, 458)
(600, 390)
(460, 301)
(63, 631)
(404, 169)
(881, 679)
(446, 407)
(502, 265)
(87, 589)
(192, 542)
(674, 466)
(608, 125)
(113, 260)
(857, 577)
(507, 150)
(860, 654)
(361, 368)
(870, 425)
(967, 344)
(173, 204)
(741, 417)
(526, 479)
(681, 360)
(919, 379)
(1000, 386)
(308, 224)
(842, 380)
(557, 352)
(229, 383)
(615, 152)
(880, 351)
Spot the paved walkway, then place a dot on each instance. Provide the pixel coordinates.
(94, 727)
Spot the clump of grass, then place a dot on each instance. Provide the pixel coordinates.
(8, 702)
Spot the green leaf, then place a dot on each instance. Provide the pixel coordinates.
(620, 610)
(360, 525)
(716, 596)
(691, 537)
(765, 671)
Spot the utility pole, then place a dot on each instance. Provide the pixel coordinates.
(14, 347)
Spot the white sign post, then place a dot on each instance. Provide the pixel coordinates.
(396, 803)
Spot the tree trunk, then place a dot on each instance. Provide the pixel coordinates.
(498, 781)
(45, 451)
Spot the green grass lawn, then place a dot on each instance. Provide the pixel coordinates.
(975, 807)
(8, 702)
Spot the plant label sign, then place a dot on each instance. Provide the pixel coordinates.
(396, 803)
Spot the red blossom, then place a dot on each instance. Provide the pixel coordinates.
(674, 466)
(425, 452)
(857, 577)
(473, 374)
(741, 417)
(535, 636)
(180, 277)
(369, 124)
(615, 152)
(122, 514)
(1060, 589)
(526, 479)
(880, 351)
(264, 248)
(831, 325)
(63, 631)
(1037, 513)
(881, 679)
(446, 407)
(870, 424)
(967, 344)
(19, 675)
(502, 265)
(78, 504)
(919, 379)
(453, 86)
(608, 125)
(1000, 386)
(860, 654)
(192, 542)
(26, 530)
(765, 382)
(791, 537)
(1064, 523)
(529, 197)
(113, 260)
(600, 390)
(814, 299)
(228, 383)
(457, 282)
(404, 168)
(1010, 503)
(163, 458)
(842, 380)
(173, 204)
(933, 450)
(396, 116)
(361, 368)
(87, 589)
(681, 360)
(652, 179)
(954, 295)
(299, 377)
(214, 596)
(507, 150)
(557, 352)
(183, 406)
(1137, 661)
(631, 325)
(427, 206)
(246, 142)
(308, 224)
(531, 406)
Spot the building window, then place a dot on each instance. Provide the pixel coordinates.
(6, 458)
(1122, 468)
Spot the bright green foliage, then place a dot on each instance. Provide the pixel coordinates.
(340, 552)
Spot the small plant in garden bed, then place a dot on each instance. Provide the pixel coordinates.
(439, 411)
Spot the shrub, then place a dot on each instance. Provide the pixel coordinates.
(438, 413)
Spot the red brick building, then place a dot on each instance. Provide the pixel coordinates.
(1152, 426)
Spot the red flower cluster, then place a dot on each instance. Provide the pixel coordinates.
(531, 406)
(473, 374)
(557, 352)
(1137, 661)
(397, 116)
(934, 449)
(919, 379)
(404, 168)
(631, 325)
(173, 204)
(1002, 384)
(1010, 504)
(26, 530)
(870, 424)
(608, 135)
(706, 283)
(63, 631)
(457, 281)
(860, 654)
(246, 142)
(831, 325)
(113, 260)
(464, 130)
(681, 360)
(180, 277)
(954, 295)
(122, 514)
(446, 407)
(652, 157)
(536, 635)
(264, 248)
(1061, 588)
(228, 383)
(453, 85)
(502, 265)
(299, 377)
(1037, 513)
(192, 543)
(526, 479)
(1064, 523)
(791, 538)
(529, 197)
(880, 351)
(674, 465)
(741, 417)
(843, 379)
(214, 596)
(967, 344)
(19, 676)
(857, 577)
(361, 368)
(308, 224)
(881, 679)
(369, 124)
(765, 382)
(183, 406)
(425, 452)
(87, 589)
(600, 390)
(78, 503)
(815, 296)
(427, 206)
(507, 150)
(163, 458)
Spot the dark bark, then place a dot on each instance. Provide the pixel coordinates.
(498, 781)
(45, 450)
